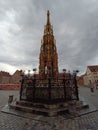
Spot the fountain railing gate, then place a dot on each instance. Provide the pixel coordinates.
(50, 90)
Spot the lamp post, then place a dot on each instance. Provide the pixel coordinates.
(34, 70)
(64, 73)
(34, 82)
(75, 82)
(22, 81)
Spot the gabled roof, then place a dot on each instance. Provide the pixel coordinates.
(93, 68)
(3, 73)
(17, 72)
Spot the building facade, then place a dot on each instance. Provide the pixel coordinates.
(4, 77)
(8, 81)
(91, 76)
(16, 77)
(80, 80)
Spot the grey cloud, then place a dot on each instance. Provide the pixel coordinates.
(75, 26)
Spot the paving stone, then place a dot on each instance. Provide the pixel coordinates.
(85, 122)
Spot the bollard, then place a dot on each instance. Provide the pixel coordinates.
(10, 100)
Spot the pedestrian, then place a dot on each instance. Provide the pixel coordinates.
(92, 89)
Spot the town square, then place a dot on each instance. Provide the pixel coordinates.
(48, 65)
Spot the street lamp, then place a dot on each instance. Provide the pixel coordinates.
(22, 81)
(75, 82)
(34, 82)
(64, 74)
(64, 70)
(34, 70)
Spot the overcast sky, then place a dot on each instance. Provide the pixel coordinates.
(75, 25)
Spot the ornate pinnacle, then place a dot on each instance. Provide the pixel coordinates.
(48, 17)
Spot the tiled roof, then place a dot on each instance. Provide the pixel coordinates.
(93, 68)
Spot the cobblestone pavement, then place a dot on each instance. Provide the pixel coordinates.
(88, 95)
(85, 122)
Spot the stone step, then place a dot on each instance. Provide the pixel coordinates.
(24, 103)
(84, 106)
(41, 105)
(49, 112)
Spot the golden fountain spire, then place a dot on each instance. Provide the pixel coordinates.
(48, 59)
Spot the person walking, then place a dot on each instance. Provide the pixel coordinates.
(92, 88)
